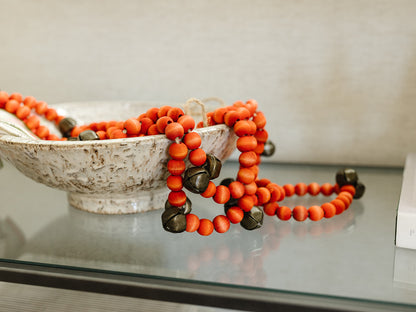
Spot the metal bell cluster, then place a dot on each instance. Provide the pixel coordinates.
(196, 179)
(174, 218)
(252, 219)
(67, 124)
(349, 176)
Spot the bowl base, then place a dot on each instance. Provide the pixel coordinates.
(125, 203)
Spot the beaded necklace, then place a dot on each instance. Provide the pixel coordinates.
(242, 197)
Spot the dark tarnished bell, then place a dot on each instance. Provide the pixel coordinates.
(66, 125)
(252, 219)
(227, 181)
(359, 190)
(196, 179)
(269, 149)
(185, 209)
(173, 220)
(346, 176)
(88, 135)
(213, 166)
(73, 139)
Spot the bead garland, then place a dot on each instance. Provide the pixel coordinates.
(241, 197)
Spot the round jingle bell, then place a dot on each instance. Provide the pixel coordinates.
(346, 176)
(66, 125)
(233, 202)
(88, 135)
(173, 220)
(359, 190)
(185, 209)
(213, 166)
(196, 180)
(269, 149)
(227, 181)
(252, 219)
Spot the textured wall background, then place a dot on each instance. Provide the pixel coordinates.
(335, 78)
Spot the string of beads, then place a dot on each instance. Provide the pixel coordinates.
(242, 197)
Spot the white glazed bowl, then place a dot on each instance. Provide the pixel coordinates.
(111, 176)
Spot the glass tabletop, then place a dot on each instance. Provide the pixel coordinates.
(350, 258)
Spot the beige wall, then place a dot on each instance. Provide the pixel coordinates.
(337, 79)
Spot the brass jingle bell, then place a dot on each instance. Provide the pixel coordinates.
(173, 220)
(196, 180)
(346, 176)
(227, 181)
(252, 219)
(213, 166)
(269, 149)
(359, 190)
(88, 135)
(66, 125)
(233, 202)
(185, 209)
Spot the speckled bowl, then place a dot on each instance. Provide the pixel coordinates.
(107, 177)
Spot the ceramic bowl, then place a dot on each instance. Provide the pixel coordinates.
(108, 177)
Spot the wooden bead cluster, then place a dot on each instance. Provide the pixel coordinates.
(241, 197)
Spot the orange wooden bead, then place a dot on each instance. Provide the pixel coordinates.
(29, 101)
(178, 151)
(79, 129)
(210, 191)
(219, 113)
(12, 106)
(16, 96)
(247, 159)
(244, 127)
(339, 206)
(102, 134)
(42, 132)
(152, 130)
(345, 200)
(300, 213)
(301, 189)
(246, 143)
(22, 112)
(197, 157)
(221, 224)
(255, 199)
(283, 213)
(261, 135)
(259, 148)
(316, 213)
(187, 122)
(252, 106)
(102, 126)
(245, 175)
(206, 227)
(327, 189)
(348, 188)
(246, 202)
(51, 114)
(162, 123)
(314, 188)
(41, 107)
(237, 189)
(289, 190)
(145, 124)
(231, 117)
(243, 112)
(175, 113)
(259, 120)
(152, 113)
(255, 170)
(251, 188)
(52, 137)
(329, 210)
(4, 97)
(347, 195)
(132, 126)
(177, 199)
(263, 195)
(58, 119)
(174, 130)
(174, 182)
(192, 222)
(32, 122)
(275, 192)
(192, 140)
(270, 208)
(235, 214)
(176, 167)
(163, 111)
(117, 134)
(263, 182)
(222, 194)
